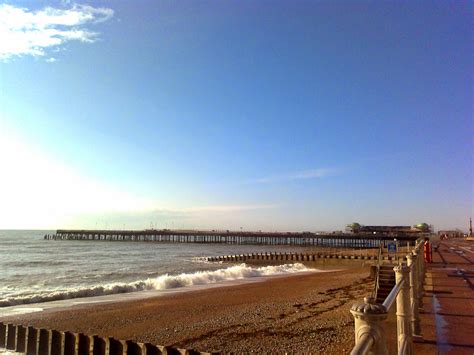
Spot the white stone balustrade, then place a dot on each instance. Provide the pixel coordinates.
(369, 318)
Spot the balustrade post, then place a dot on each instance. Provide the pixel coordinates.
(421, 275)
(369, 319)
(403, 309)
(412, 261)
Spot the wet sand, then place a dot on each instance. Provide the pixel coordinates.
(301, 313)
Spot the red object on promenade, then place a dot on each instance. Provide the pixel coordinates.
(428, 252)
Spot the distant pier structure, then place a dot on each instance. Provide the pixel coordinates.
(339, 240)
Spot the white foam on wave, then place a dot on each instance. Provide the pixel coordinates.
(163, 282)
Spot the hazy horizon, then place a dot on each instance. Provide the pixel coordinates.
(289, 115)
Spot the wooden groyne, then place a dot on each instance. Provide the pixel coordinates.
(342, 240)
(39, 341)
(298, 257)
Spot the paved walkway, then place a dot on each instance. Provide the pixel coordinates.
(447, 320)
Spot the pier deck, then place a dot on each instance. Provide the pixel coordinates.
(234, 237)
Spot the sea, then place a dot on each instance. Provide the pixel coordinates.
(38, 271)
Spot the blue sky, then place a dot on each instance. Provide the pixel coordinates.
(274, 115)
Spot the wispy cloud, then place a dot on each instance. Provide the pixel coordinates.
(228, 208)
(216, 208)
(24, 32)
(299, 175)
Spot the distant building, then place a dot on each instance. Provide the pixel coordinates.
(448, 234)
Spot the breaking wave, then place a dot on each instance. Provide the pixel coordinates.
(163, 282)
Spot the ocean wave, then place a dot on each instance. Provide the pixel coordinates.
(163, 282)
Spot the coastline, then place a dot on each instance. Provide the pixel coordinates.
(297, 313)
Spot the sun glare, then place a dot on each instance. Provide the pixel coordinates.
(38, 191)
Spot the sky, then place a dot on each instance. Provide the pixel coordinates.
(255, 115)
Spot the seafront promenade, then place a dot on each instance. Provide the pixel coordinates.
(447, 319)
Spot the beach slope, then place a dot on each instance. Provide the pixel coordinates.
(295, 314)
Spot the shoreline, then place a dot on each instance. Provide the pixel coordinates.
(74, 302)
(282, 313)
(228, 274)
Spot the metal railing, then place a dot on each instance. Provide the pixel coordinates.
(377, 277)
(392, 296)
(364, 345)
(370, 317)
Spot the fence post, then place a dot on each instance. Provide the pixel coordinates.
(412, 261)
(403, 309)
(369, 320)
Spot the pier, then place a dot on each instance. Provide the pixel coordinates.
(334, 240)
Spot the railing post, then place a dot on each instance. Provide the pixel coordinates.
(369, 319)
(403, 309)
(421, 274)
(412, 261)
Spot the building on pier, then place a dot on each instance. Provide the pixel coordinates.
(357, 228)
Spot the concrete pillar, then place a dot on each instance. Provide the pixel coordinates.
(32, 340)
(44, 346)
(369, 320)
(20, 340)
(403, 309)
(3, 335)
(11, 337)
